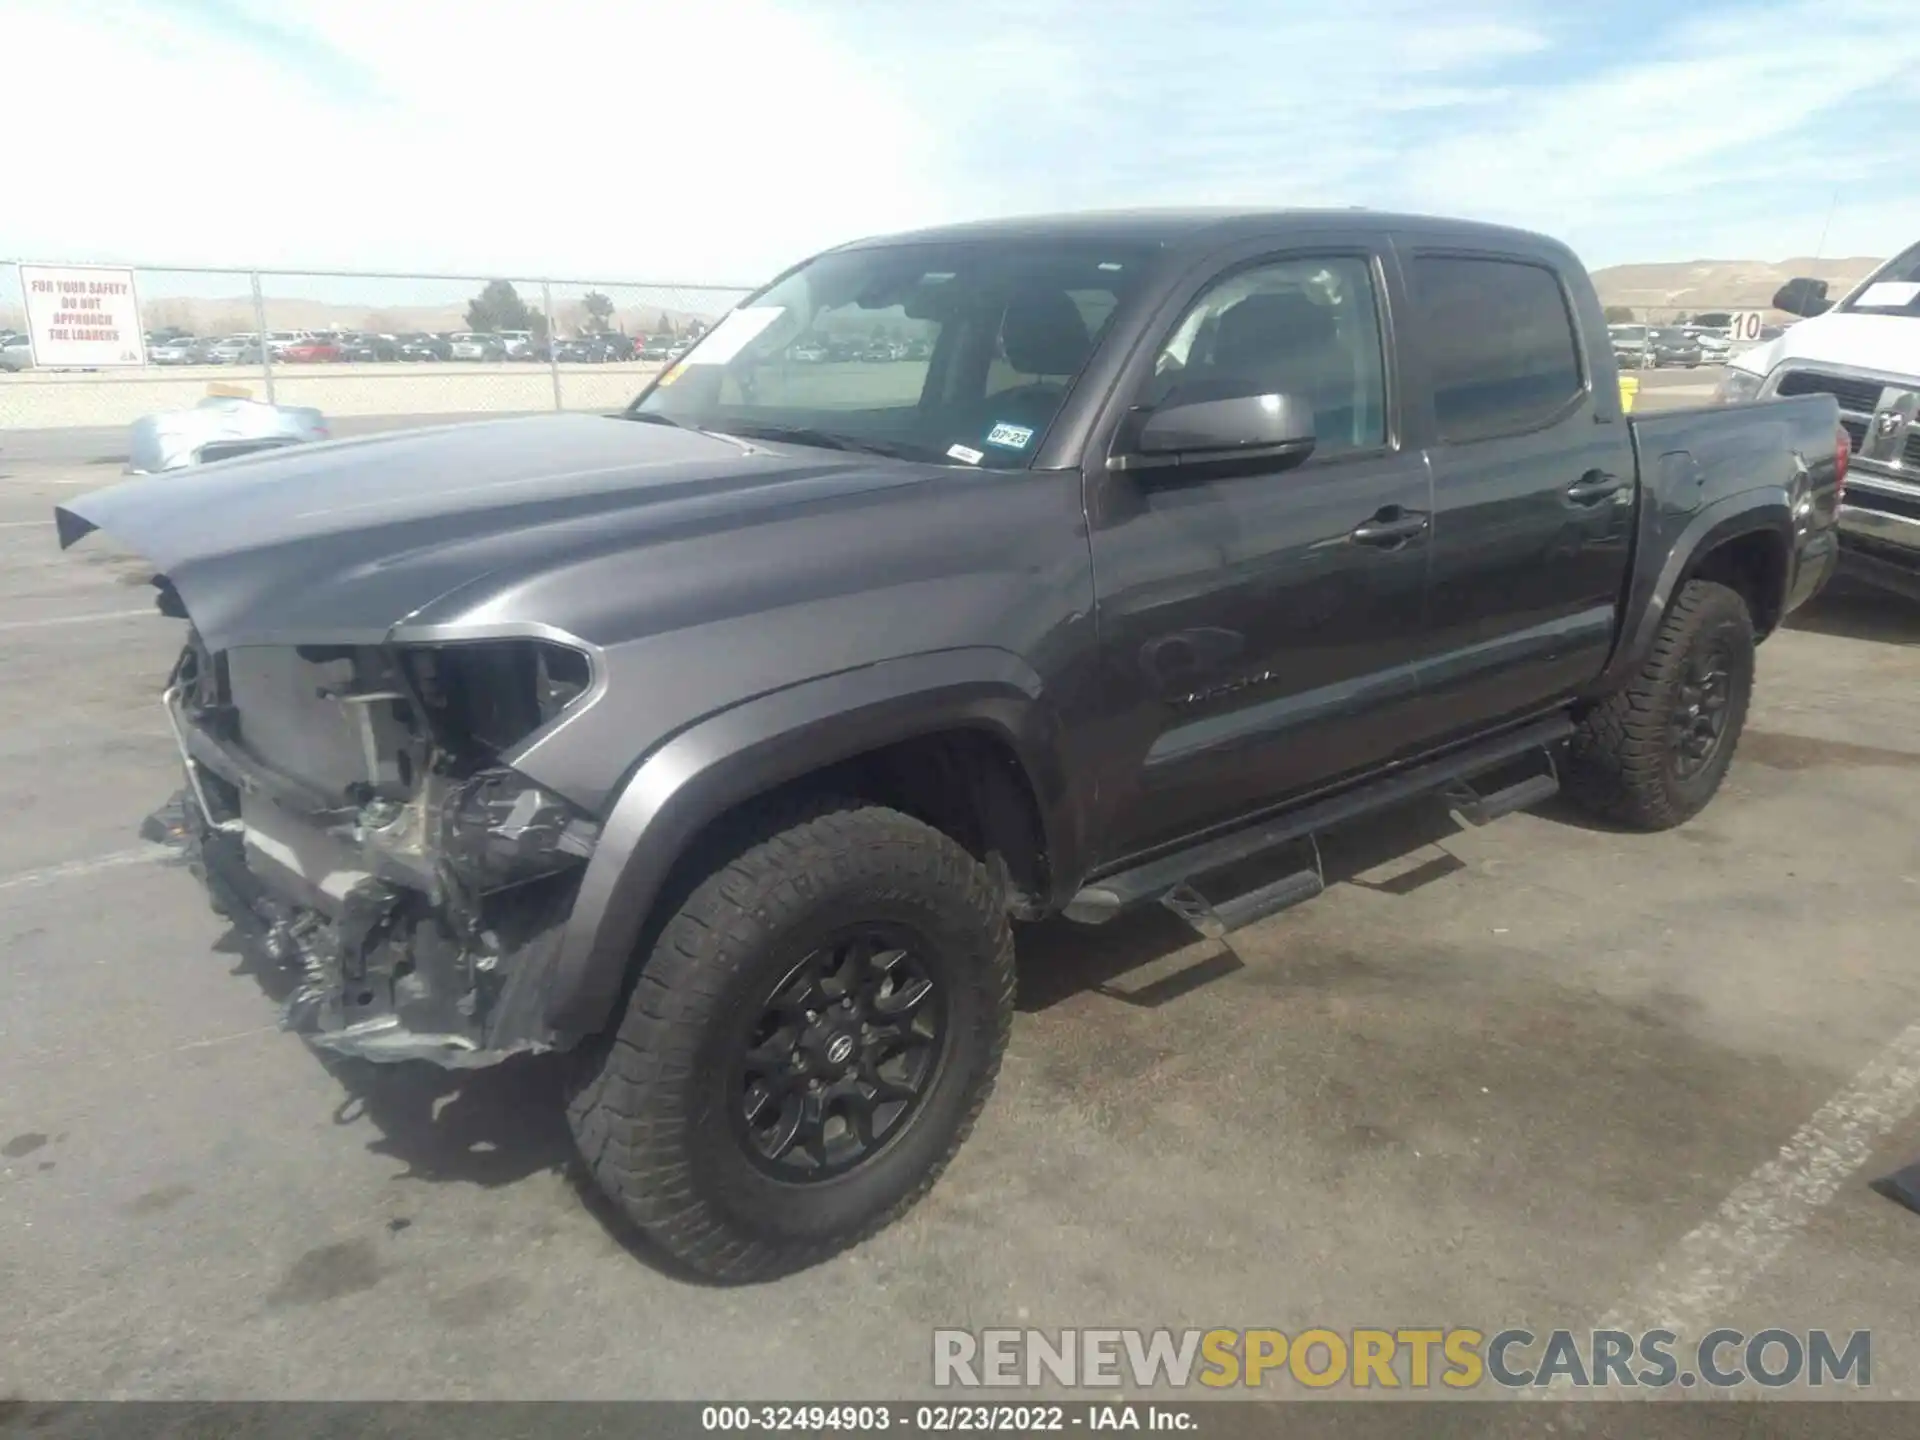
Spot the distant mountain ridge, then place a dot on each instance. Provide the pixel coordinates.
(1721, 284)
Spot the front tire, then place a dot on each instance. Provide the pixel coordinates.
(1653, 754)
(806, 1046)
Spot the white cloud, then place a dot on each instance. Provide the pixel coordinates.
(717, 140)
(1707, 139)
(576, 136)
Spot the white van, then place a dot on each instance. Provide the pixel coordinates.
(1865, 351)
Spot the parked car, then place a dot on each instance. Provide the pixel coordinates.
(657, 347)
(1865, 352)
(471, 346)
(1671, 345)
(183, 350)
(693, 784)
(596, 349)
(313, 351)
(1629, 343)
(420, 346)
(516, 344)
(16, 353)
(808, 352)
(370, 347)
(234, 350)
(1715, 346)
(881, 350)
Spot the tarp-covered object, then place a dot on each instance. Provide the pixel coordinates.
(218, 428)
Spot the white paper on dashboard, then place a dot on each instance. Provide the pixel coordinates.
(1889, 293)
(730, 336)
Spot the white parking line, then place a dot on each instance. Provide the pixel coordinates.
(75, 619)
(75, 869)
(1713, 1265)
(24, 524)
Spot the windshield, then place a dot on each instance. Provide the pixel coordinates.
(1893, 289)
(959, 352)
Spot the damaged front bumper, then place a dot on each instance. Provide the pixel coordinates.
(417, 905)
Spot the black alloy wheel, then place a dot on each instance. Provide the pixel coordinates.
(841, 1055)
(1699, 722)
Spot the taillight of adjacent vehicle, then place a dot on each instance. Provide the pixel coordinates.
(1842, 457)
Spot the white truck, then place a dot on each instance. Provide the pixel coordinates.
(1865, 352)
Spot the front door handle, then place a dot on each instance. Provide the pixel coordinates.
(1595, 485)
(1388, 531)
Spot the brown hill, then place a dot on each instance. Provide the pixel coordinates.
(1694, 285)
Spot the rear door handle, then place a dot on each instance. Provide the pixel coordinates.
(1386, 532)
(1595, 485)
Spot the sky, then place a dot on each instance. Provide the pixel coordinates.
(719, 140)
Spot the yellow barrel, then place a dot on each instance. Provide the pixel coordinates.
(1629, 391)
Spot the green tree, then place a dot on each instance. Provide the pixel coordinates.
(498, 307)
(1619, 314)
(599, 312)
(1714, 319)
(665, 327)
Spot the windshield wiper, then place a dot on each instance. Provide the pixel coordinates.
(826, 440)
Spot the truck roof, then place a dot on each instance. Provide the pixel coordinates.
(1179, 228)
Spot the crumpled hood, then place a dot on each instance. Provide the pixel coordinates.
(340, 542)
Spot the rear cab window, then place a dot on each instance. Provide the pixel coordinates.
(1503, 354)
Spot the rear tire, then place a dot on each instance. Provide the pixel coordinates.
(735, 1039)
(1653, 754)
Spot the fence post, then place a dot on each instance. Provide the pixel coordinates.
(553, 342)
(260, 328)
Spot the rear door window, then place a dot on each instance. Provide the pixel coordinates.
(1502, 354)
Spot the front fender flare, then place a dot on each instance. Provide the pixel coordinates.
(746, 750)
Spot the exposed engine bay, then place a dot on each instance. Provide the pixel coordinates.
(350, 808)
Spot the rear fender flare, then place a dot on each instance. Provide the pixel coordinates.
(732, 756)
(1648, 599)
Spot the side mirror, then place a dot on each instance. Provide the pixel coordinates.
(1266, 427)
(1802, 296)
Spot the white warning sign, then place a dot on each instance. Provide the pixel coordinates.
(82, 316)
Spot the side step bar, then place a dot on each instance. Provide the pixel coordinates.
(1169, 878)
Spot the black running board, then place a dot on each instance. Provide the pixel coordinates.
(1477, 809)
(1168, 878)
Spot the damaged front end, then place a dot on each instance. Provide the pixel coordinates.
(354, 809)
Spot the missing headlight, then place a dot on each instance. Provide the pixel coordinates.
(492, 694)
(498, 828)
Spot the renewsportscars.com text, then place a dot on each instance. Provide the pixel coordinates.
(1456, 1358)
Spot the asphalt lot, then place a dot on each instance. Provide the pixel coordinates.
(1494, 1077)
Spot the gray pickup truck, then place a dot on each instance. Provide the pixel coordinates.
(716, 743)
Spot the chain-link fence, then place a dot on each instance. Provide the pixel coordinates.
(395, 348)
(431, 347)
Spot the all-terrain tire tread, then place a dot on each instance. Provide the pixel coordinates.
(627, 1112)
(1617, 764)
